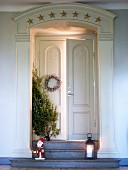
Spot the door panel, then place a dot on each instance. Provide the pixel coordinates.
(81, 88)
(51, 61)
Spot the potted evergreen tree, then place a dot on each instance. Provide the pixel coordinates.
(44, 113)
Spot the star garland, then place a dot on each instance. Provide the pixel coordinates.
(64, 14)
(98, 20)
(40, 17)
(30, 21)
(87, 16)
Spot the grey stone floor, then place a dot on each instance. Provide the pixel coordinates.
(6, 167)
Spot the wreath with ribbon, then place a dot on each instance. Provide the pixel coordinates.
(57, 83)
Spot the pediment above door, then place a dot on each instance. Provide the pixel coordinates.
(95, 18)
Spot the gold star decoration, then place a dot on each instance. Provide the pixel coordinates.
(52, 15)
(40, 17)
(30, 21)
(75, 14)
(98, 20)
(63, 14)
(87, 16)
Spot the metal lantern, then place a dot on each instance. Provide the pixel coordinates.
(90, 147)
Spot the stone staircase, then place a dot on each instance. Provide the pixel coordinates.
(64, 150)
(64, 154)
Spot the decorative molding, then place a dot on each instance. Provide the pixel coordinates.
(22, 38)
(105, 36)
(75, 12)
(20, 8)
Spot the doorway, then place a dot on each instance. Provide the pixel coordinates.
(73, 59)
(80, 16)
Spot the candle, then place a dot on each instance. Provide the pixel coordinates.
(89, 151)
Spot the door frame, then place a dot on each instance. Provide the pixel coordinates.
(92, 37)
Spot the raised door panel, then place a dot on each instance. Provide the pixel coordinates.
(53, 67)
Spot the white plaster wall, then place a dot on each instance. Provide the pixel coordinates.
(7, 85)
(121, 82)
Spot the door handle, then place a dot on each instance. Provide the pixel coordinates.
(70, 94)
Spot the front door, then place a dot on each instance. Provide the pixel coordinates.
(81, 88)
(73, 61)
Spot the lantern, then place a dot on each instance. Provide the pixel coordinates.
(90, 147)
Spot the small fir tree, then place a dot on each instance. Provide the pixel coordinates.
(44, 113)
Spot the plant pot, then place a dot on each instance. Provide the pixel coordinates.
(47, 138)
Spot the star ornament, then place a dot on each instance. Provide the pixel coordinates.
(98, 20)
(87, 16)
(75, 14)
(30, 21)
(40, 17)
(52, 15)
(63, 14)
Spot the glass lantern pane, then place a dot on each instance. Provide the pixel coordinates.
(90, 150)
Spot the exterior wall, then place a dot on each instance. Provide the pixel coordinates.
(121, 82)
(8, 83)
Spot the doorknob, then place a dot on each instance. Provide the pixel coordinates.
(69, 93)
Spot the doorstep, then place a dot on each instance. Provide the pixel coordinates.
(96, 163)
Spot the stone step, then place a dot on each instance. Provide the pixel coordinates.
(63, 150)
(32, 163)
(64, 154)
(66, 145)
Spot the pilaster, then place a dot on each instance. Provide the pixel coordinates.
(23, 110)
(107, 124)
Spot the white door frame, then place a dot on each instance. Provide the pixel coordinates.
(64, 118)
(84, 15)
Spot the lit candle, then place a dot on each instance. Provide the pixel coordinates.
(89, 151)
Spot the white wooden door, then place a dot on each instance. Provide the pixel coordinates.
(50, 59)
(81, 97)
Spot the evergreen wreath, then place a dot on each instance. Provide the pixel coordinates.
(55, 87)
